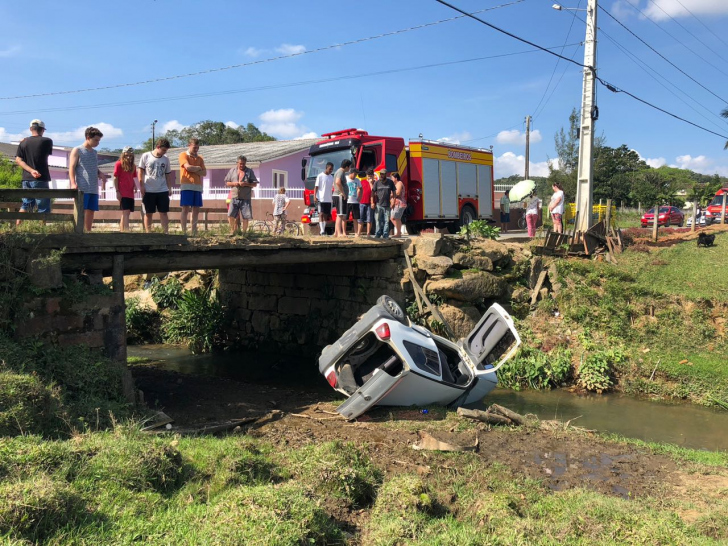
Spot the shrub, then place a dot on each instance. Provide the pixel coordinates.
(534, 369)
(28, 406)
(198, 321)
(596, 372)
(167, 294)
(480, 228)
(142, 323)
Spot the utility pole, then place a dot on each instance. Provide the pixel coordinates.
(528, 143)
(589, 113)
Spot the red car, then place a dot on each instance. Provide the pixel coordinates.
(668, 216)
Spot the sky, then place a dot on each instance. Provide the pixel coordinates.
(300, 69)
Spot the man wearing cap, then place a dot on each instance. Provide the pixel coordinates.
(192, 169)
(241, 179)
(32, 157)
(382, 198)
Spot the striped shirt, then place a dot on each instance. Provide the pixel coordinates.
(87, 170)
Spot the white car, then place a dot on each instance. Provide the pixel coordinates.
(702, 221)
(384, 360)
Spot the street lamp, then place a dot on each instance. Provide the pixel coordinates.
(153, 125)
(589, 114)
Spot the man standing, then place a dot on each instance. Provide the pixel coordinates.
(241, 180)
(352, 204)
(32, 157)
(366, 214)
(322, 194)
(155, 177)
(505, 212)
(382, 199)
(84, 173)
(339, 198)
(192, 169)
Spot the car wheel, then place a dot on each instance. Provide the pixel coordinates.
(667, 223)
(394, 310)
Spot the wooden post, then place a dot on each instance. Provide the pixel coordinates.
(695, 215)
(207, 218)
(722, 210)
(655, 216)
(608, 216)
(117, 273)
(78, 214)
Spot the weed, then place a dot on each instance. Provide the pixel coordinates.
(142, 323)
(596, 372)
(480, 228)
(535, 369)
(199, 321)
(167, 294)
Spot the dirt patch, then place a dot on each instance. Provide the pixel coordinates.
(562, 459)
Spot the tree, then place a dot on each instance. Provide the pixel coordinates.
(652, 186)
(11, 175)
(614, 172)
(211, 133)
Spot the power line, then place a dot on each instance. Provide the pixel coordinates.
(662, 56)
(553, 91)
(260, 61)
(494, 134)
(701, 22)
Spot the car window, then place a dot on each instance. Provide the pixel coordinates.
(424, 358)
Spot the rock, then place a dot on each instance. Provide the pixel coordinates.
(521, 295)
(133, 282)
(472, 261)
(429, 244)
(491, 249)
(194, 283)
(434, 265)
(462, 320)
(45, 273)
(553, 276)
(536, 268)
(473, 286)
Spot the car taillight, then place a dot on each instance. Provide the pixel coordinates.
(331, 378)
(305, 220)
(383, 331)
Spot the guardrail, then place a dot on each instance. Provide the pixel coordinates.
(76, 216)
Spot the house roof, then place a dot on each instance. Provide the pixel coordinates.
(225, 155)
(8, 150)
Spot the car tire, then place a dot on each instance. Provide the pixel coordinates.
(467, 215)
(392, 308)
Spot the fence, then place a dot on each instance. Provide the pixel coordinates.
(71, 195)
(109, 194)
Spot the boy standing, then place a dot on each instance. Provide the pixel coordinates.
(192, 169)
(84, 174)
(155, 177)
(322, 193)
(352, 206)
(32, 157)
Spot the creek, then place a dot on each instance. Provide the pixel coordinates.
(681, 424)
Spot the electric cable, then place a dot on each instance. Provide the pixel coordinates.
(252, 63)
(701, 22)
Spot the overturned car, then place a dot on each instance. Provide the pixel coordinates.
(385, 360)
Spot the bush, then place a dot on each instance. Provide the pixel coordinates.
(11, 176)
(596, 372)
(167, 294)
(480, 228)
(28, 406)
(142, 323)
(198, 321)
(534, 369)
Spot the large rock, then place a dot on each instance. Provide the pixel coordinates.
(467, 260)
(45, 272)
(434, 265)
(490, 249)
(472, 287)
(429, 244)
(462, 320)
(536, 268)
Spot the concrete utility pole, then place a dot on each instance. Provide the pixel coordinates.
(584, 185)
(528, 143)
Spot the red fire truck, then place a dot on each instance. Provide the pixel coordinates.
(715, 209)
(447, 185)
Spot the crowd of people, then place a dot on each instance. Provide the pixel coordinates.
(371, 200)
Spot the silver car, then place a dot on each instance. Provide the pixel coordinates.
(384, 360)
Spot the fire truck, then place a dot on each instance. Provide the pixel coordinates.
(715, 208)
(447, 185)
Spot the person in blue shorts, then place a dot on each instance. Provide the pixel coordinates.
(84, 173)
(192, 169)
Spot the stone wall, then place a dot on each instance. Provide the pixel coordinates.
(303, 308)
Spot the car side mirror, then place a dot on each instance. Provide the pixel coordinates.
(303, 173)
(304, 161)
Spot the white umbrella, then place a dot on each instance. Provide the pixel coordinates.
(521, 190)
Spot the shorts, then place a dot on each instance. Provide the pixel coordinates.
(366, 214)
(324, 208)
(505, 217)
(556, 217)
(398, 212)
(190, 198)
(91, 201)
(44, 205)
(127, 203)
(339, 203)
(353, 209)
(241, 207)
(156, 202)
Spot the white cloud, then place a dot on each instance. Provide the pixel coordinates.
(252, 52)
(282, 123)
(701, 164)
(664, 9)
(456, 138)
(510, 163)
(76, 136)
(5, 136)
(655, 162)
(10, 52)
(515, 136)
(289, 49)
(232, 124)
(310, 134)
(172, 125)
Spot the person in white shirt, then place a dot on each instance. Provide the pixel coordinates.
(322, 192)
(556, 207)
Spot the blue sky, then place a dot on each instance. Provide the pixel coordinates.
(387, 86)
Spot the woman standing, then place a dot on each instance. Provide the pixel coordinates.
(556, 207)
(400, 204)
(533, 209)
(124, 175)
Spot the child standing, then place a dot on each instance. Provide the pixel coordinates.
(280, 204)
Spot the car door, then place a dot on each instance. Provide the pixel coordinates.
(492, 342)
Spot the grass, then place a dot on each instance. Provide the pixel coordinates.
(124, 486)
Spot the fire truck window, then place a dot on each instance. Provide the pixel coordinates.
(391, 160)
(369, 158)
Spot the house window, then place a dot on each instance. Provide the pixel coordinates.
(280, 179)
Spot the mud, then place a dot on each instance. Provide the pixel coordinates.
(561, 456)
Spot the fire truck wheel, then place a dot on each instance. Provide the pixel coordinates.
(412, 228)
(467, 215)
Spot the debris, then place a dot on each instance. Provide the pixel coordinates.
(430, 443)
(157, 420)
(495, 415)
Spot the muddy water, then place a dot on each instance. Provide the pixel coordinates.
(685, 425)
(682, 424)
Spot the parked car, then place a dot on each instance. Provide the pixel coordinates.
(702, 221)
(668, 216)
(386, 360)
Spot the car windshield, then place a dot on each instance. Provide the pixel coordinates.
(717, 200)
(317, 164)
(662, 210)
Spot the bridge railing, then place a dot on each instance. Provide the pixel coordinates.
(14, 195)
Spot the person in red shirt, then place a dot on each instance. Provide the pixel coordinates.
(366, 215)
(124, 175)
